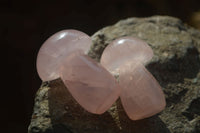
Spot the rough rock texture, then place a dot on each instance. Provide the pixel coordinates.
(175, 65)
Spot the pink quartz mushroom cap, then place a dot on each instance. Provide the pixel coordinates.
(93, 87)
(125, 49)
(141, 95)
(56, 48)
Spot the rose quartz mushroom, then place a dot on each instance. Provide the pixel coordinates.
(63, 55)
(141, 95)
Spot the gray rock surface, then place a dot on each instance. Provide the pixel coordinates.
(175, 65)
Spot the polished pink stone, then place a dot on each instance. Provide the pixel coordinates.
(56, 48)
(93, 87)
(124, 49)
(141, 94)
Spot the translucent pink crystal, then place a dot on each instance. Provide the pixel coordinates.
(141, 95)
(57, 47)
(93, 87)
(125, 49)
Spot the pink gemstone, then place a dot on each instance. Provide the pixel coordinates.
(124, 49)
(56, 48)
(141, 95)
(93, 87)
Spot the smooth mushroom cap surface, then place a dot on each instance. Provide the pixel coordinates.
(56, 48)
(124, 50)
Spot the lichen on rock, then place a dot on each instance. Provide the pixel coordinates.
(175, 65)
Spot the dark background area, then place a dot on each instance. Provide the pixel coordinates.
(26, 24)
